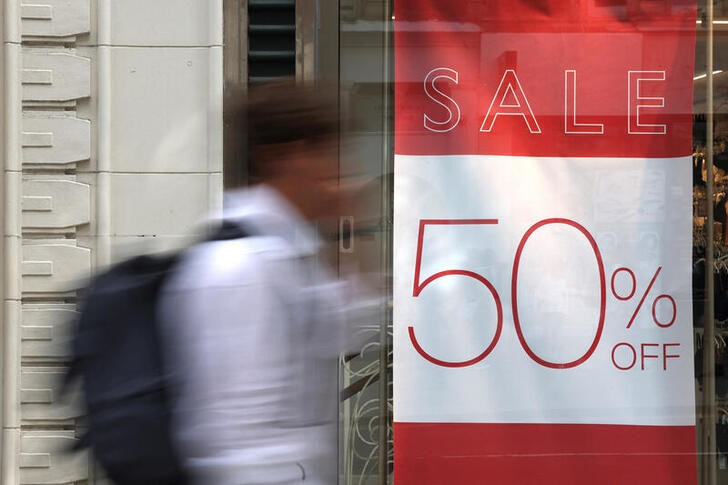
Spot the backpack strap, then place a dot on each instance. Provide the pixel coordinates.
(228, 230)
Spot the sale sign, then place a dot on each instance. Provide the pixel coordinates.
(542, 242)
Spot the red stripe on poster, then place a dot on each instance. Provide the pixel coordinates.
(543, 454)
(543, 78)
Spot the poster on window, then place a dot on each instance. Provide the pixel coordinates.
(542, 242)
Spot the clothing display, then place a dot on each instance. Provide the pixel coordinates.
(698, 164)
(720, 288)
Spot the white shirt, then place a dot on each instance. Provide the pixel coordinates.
(252, 331)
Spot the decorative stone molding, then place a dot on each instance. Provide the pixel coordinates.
(85, 135)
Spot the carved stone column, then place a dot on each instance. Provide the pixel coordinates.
(112, 136)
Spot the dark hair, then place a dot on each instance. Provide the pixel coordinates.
(286, 111)
(277, 113)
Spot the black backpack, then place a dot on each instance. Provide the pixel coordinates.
(117, 353)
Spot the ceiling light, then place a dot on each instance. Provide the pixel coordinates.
(703, 76)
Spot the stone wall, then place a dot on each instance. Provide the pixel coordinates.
(112, 145)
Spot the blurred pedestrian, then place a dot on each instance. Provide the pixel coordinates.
(253, 324)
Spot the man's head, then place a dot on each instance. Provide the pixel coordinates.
(292, 141)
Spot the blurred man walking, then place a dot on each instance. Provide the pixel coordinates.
(252, 323)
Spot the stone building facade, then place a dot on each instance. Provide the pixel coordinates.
(111, 135)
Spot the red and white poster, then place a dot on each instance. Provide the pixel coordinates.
(542, 242)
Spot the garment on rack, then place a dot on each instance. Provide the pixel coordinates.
(698, 287)
(721, 161)
(721, 295)
(720, 289)
(719, 214)
(721, 370)
(721, 436)
(698, 162)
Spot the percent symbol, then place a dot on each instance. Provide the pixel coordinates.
(629, 296)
